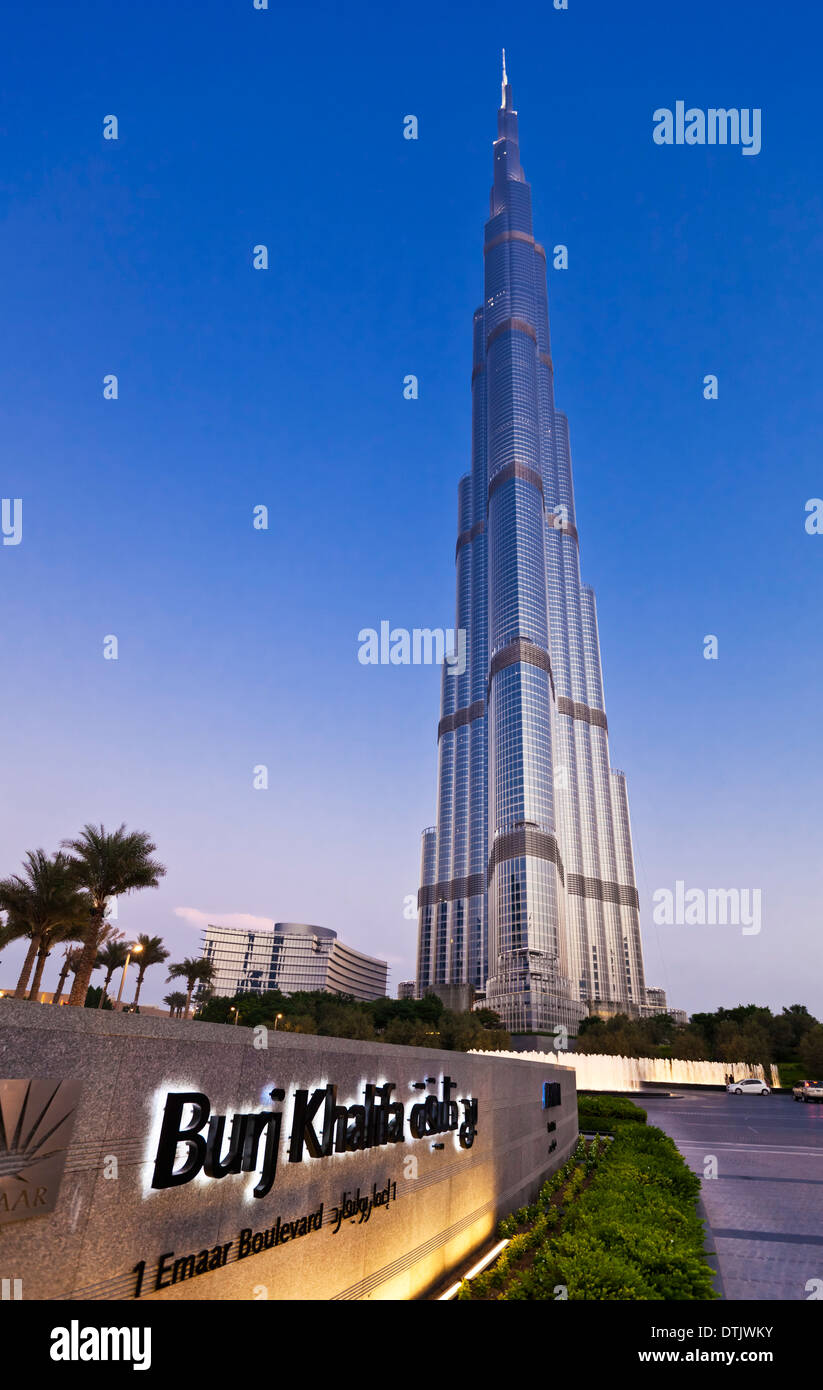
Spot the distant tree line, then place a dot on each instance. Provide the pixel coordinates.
(410, 1022)
(749, 1033)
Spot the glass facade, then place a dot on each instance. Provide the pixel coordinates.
(527, 880)
(293, 957)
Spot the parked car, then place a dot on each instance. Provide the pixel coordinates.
(808, 1091)
(799, 1087)
(748, 1086)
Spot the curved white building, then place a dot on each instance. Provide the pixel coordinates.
(291, 956)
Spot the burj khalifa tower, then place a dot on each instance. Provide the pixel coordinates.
(527, 880)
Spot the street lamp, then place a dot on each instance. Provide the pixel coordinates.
(277, 1020)
(133, 951)
(234, 1010)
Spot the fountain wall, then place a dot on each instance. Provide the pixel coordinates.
(598, 1072)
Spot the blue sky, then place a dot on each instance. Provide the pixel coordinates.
(239, 387)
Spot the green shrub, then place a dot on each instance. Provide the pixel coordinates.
(791, 1073)
(587, 1271)
(626, 1226)
(610, 1108)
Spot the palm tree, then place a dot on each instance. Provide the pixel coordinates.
(110, 958)
(194, 971)
(10, 931)
(18, 927)
(107, 865)
(71, 960)
(42, 901)
(17, 896)
(153, 953)
(13, 930)
(176, 1002)
(71, 930)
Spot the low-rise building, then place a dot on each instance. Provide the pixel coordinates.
(656, 1004)
(291, 957)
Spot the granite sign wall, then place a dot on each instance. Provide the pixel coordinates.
(213, 1162)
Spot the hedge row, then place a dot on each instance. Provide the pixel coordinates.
(632, 1233)
(594, 1108)
(540, 1218)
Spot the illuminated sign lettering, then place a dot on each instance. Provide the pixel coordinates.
(320, 1128)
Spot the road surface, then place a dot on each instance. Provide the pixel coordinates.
(765, 1206)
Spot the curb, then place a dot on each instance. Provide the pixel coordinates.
(709, 1249)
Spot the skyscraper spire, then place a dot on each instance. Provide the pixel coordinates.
(506, 102)
(527, 880)
(506, 148)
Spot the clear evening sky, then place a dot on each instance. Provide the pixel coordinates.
(283, 387)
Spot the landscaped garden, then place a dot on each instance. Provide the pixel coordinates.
(617, 1221)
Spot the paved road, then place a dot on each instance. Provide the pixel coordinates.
(765, 1207)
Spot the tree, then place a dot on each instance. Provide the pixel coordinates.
(345, 1020)
(747, 1043)
(494, 1040)
(408, 1032)
(96, 998)
(52, 936)
(43, 902)
(488, 1018)
(153, 953)
(811, 1051)
(71, 960)
(107, 865)
(298, 1023)
(459, 1031)
(788, 1029)
(689, 1046)
(21, 928)
(16, 929)
(619, 1036)
(430, 1008)
(111, 958)
(176, 1002)
(194, 970)
(203, 995)
(256, 1008)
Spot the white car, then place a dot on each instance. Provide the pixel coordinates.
(749, 1086)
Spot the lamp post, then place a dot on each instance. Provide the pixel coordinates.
(234, 1010)
(277, 1020)
(133, 951)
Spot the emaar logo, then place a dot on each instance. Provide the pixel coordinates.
(716, 126)
(36, 1124)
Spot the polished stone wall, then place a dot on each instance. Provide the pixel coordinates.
(443, 1200)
